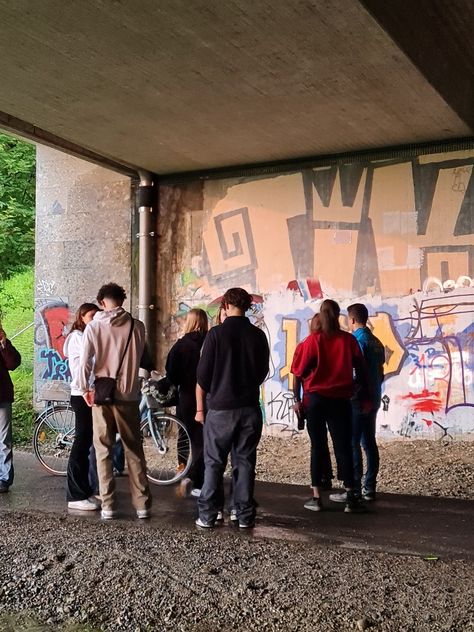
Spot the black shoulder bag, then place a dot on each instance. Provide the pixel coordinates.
(104, 393)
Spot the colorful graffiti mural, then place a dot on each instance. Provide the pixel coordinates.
(52, 321)
(393, 234)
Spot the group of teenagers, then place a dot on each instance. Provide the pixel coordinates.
(218, 373)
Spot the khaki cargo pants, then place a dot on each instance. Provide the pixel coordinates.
(124, 418)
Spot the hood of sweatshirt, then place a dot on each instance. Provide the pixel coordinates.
(115, 317)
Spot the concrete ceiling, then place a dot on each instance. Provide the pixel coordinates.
(180, 85)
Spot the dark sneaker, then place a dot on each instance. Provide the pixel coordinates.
(4, 487)
(314, 504)
(354, 505)
(248, 524)
(369, 496)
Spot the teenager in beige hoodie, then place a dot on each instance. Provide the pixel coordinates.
(104, 343)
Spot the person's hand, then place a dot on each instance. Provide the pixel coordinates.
(3, 337)
(89, 398)
(298, 407)
(199, 417)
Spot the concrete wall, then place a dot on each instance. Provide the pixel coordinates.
(83, 239)
(396, 235)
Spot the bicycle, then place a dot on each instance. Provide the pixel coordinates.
(166, 441)
(53, 436)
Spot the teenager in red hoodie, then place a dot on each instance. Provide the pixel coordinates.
(10, 359)
(327, 360)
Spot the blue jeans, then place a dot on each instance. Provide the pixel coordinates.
(363, 434)
(6, 443)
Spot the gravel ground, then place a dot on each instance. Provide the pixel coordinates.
(124, 576)
(426, 468)
(63, 573)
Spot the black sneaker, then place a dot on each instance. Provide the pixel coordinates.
(369, 496)
(4, 487)
(354, 505)
(314, 504)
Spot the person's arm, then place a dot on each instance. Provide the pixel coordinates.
(297, 393)
(146, 361)
(361, 377)
(205, 370)
(173, 364)
(86, 365)
(200, 404)
(263, 358)
(10, 355)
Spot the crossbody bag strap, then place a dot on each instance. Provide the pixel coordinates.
(126, 346)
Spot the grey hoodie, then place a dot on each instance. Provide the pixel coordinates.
(103, 344)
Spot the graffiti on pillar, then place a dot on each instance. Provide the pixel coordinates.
(394, 234)
(52, 323)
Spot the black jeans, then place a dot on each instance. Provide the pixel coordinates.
(78, 487)
(337, 414)
(237, 431)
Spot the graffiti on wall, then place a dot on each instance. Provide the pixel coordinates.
(52, 323)
(395, 235)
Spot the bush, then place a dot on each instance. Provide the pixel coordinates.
(17, 316)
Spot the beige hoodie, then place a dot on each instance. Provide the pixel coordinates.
(103, 344)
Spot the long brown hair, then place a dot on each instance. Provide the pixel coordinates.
(329, 316)
(315, 326)
(79, 324)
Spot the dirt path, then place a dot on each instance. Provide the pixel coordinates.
(426, 468)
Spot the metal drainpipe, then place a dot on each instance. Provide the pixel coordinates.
(145, 200)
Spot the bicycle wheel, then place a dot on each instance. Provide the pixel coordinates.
(53, 437)
(167, 448)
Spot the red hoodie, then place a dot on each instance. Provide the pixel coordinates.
(325, 363)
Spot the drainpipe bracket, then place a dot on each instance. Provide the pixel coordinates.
(145, 306)
(151, 234)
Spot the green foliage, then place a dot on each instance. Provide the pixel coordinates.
(17, 308)
(17, 205)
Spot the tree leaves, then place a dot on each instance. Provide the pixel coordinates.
(17, 205)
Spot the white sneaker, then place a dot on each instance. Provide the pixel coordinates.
(108, 514)
(340, 497)
(195, 492)
(203, 525)
(233, 515)
(220, 516)
(143, 513)
(83, 505)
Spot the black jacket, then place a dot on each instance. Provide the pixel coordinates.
(10, 359)
(234, 362)
(181, 366)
